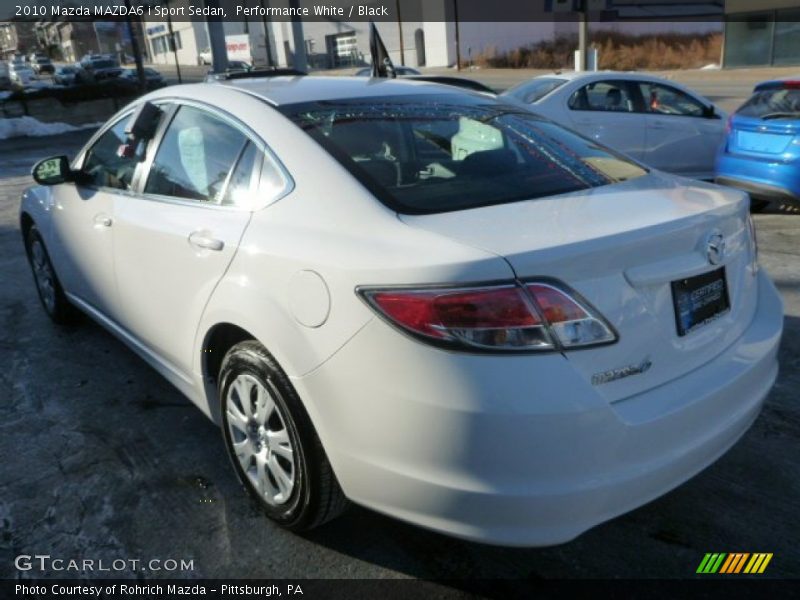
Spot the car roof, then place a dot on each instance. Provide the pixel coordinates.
(588, 75)
(778, 81)
(291, 90)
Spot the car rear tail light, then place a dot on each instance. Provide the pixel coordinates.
(574, 323)
(510, 317)
(729, 125)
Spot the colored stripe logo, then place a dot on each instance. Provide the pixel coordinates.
(734, 563)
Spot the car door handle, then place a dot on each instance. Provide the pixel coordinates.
(658, 125)
(103, 220)
(200, 239)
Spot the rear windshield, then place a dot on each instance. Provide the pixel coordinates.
(535, 89)
(772, 103)
(423, 154)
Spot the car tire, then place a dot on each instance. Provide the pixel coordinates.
(757, 206)
(51, 294)
(272, 444)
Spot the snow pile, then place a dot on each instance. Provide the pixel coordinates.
(711, 67)
(28, 126)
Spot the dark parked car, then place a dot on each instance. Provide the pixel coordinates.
(43, 65)
(66, 75)
(96, 70)
(154, 79)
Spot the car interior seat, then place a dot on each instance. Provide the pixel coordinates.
(368, 148)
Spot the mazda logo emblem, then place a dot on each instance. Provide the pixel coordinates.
(715, 248)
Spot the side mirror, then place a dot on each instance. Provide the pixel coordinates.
(709, 112)
(52, 171)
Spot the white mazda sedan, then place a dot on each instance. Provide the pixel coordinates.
(654, 120)
(425, 301)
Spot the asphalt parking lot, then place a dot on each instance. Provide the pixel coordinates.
(105, 460)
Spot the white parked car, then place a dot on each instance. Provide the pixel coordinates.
(449, 311)
(659, 122)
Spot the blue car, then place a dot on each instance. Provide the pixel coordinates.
(761, 154)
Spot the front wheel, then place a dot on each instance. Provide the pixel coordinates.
(51, 293)
(272, 444)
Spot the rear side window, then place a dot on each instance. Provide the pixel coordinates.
(436, 154)
(535, 89)
(772, 103)
(239, 189)
(195, 157)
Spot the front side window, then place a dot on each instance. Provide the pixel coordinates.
(609, 96)
(666, 100)
(452, 152)
(103, 167)
(195, 157)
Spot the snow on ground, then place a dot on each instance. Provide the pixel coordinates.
(28, 126)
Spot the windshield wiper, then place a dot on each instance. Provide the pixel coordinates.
(781, 115)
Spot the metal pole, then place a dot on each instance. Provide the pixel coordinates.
(216, 39)
(458, 36)
(137, 55)
(172, 42)
(583, 38)
(300, 60)
(270, 62)
(400, 30)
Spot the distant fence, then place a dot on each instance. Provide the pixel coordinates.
(73, 105)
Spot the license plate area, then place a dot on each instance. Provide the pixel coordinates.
(699, 300)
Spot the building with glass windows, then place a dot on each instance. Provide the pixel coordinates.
(761, 33)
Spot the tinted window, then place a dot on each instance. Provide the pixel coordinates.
(772, 103)
(433, 154)
(103, 64)
(612, 96)
(536, 89)
(666, 100)
(195, 157)
(102, 164)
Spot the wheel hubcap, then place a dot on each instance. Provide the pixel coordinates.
(43, 274)
(260, 439)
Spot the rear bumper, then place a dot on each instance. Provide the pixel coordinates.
(518, 450)
(762, 180)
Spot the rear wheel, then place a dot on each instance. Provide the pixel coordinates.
(272, 444)
(51, 293)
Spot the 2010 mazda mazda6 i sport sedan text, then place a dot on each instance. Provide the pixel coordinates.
(433, 304)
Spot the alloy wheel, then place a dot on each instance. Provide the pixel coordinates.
(260, 439)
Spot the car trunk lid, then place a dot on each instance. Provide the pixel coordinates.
(759, 136)
(621, 247)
